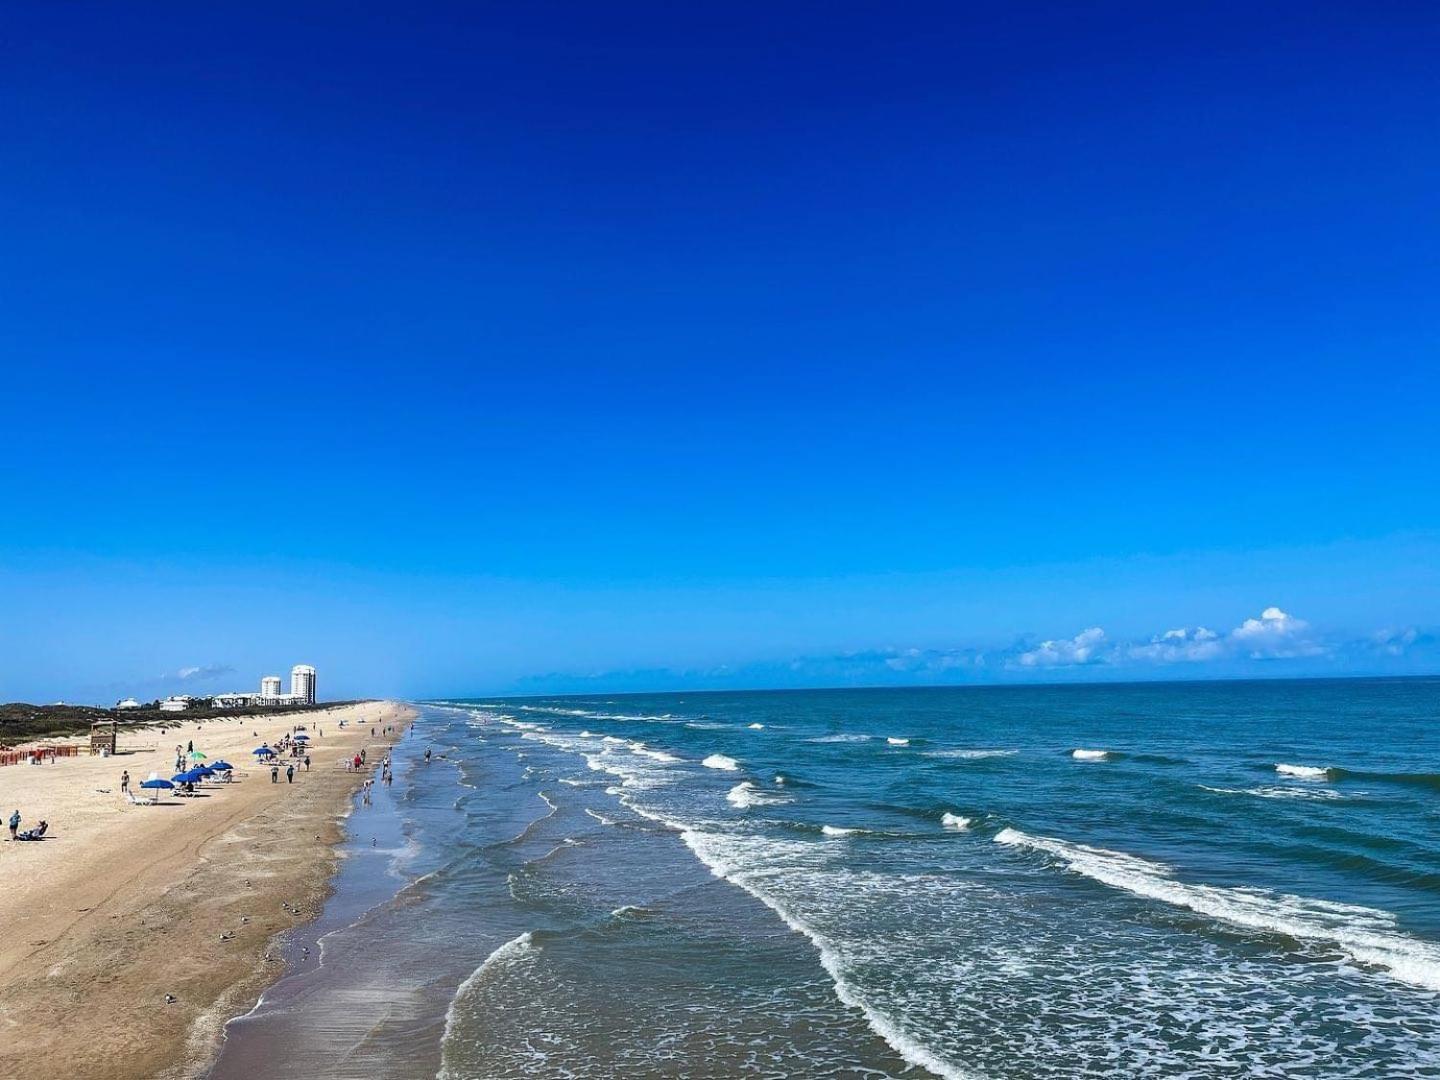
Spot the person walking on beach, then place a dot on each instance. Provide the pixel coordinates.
(14, 824)
(125, 782)
(289, 774)
(274, 774)
(307, 762)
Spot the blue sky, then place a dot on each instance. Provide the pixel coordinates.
(538, 347)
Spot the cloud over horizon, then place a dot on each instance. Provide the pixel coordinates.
(1274, 642)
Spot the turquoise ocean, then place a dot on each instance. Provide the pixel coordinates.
(1153, 880)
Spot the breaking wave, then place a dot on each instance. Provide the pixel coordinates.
(1367, 935)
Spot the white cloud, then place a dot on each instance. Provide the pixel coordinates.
(1275, 635)
(1396, 642)
(1179, 646)
(210, 671)
(1083, 648)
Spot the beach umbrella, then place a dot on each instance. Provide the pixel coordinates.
(156, 783)
(263, 751)
(220, 766)
(196, 755)
(189, 777)
(302, 738)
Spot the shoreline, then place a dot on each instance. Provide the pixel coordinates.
(134, 933)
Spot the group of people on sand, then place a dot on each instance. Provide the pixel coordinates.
(37, 833)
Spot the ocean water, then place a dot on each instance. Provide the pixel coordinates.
(1178, 880)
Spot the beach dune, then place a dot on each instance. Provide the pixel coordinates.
(132, 933)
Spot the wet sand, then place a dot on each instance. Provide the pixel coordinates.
(123, 905)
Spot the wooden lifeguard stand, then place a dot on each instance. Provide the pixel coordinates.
(102, 737)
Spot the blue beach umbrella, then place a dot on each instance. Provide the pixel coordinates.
(157, 784)
(221, 766)
(302, 738)
(190, 777)
(263, 751)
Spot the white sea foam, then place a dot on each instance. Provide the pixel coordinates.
(956, 822)
(1310, 793)
(971, 755)
(745, 795)
(1368, 935)
(709, 848)
(601, 818)
(720, 761)
(657, 755)
(1090, 755)
(516, 949)
(1304, 772)
(839, 738)
(757, 727)
(592, 714)
(779, 779)
(836, 830)
(893, 741)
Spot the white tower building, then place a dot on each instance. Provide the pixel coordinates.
(302, 683)
(270, 686)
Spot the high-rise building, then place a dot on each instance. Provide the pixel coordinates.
(270, 686)
(302, 683)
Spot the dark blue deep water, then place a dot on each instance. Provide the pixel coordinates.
(1201, 879)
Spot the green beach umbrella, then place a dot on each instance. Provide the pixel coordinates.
(197, 755)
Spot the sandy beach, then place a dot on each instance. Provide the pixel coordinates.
(123, 908)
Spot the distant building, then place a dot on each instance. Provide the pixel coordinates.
(128, 703)
(175, 704)
(302, 683)
(270, 686)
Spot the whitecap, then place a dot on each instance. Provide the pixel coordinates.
(1304, 772)
(514, 950)
(709, 849)
(720, 761)
(836, 830)
(757, 727)
(657, 755)
(1090, 755)
(745, 794)
(893, 741)
(1368, 935)
(956, 822)
(1309, 793)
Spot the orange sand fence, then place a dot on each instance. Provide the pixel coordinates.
(37, 753)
